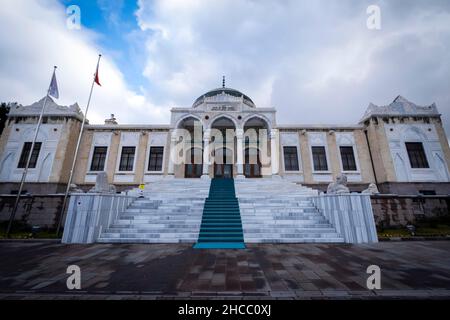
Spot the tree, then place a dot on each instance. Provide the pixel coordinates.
(4, 110)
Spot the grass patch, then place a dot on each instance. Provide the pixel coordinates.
(22, 231)
(426, 230)
(29, 235)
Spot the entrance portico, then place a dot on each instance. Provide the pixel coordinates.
(233, 138)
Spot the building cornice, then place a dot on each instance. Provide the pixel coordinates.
(405, 115)
(253, 110)
(320, 127)
(128, 127)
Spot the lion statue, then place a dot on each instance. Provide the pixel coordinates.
(340, 186)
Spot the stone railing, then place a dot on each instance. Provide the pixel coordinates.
(91, 213)
(350, 214)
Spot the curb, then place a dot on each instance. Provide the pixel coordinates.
(31, 240)
(442, 238)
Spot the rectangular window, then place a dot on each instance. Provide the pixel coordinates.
(427, 192)
(26, 152)
(156, 159)
(127, 159)
(348, 159)
(319, 159)
(290, 159)
(99, 158)
(416, 155)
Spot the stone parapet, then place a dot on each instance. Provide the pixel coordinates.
(350, 214)
(89, 214)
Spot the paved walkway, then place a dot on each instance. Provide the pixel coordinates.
(301, 271)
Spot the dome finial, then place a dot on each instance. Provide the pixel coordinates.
(223, 82)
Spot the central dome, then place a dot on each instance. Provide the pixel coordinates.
(224, 91)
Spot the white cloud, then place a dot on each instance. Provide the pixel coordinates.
(315, 61)
(35, 37)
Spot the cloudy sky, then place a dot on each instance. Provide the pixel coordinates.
(315, 61)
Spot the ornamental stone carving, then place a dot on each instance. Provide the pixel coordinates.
(372, 189)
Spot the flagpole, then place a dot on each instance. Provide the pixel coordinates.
(25, 171)
(66, 195)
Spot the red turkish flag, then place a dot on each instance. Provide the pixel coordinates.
(97, 80)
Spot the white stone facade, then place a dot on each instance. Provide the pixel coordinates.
(49, 136)
(399, 134)
(376, 145)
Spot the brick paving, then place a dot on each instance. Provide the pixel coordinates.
(37, 270)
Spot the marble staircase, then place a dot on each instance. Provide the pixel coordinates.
(280, 211)
(168, 211)
(271, 210)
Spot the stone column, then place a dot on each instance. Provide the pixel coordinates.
(206, 153)
(274, 152)
(172, 155)
(240, 153)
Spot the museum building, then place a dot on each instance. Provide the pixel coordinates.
(401, 147)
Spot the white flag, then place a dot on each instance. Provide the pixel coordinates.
(53, 90)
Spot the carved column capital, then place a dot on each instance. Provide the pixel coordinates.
(273, 133)
(239, 133)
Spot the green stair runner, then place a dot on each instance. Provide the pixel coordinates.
(221, 226)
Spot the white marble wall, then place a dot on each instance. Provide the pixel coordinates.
(99, 139)
(49, 136)
(350, 214)
(89, 214)
(155, 139)
(347, 139)
(320, 139)
(291, 139)
(398, 134)
(127, 139)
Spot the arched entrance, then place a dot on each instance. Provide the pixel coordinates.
(223, 138)
(223, 163)
(252, 166)
(255, 131)
(192, 147)
(193, 165)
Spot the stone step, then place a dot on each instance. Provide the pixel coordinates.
(158, 222)
(262, 212)
(145, 240)
(285, 235)
(296, 240)
(293, 229)
(151, 231)
(271, 211)
(152, 226)
(251, 219)
(151, 235)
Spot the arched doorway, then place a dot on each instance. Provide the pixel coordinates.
(252, 166)
(193, 165)
(192, 147)
(223, 138)
(256, 137)
(223, 163)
